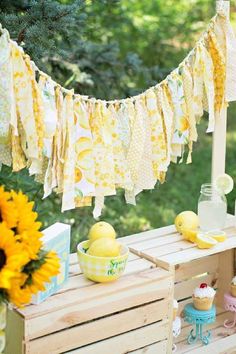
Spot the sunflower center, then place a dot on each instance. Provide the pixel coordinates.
(3, 258)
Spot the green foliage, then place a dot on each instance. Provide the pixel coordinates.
(109, 49)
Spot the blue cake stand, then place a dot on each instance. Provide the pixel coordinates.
(199, 319)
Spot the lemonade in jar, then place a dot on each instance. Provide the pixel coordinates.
(212, 208)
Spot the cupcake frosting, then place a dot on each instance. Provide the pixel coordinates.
(233, 281)
(175, 304)
(204, 291)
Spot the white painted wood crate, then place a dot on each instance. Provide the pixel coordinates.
(192, 266)
(130, 315)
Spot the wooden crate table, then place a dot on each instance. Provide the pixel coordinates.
(192, 266)
(130, 315)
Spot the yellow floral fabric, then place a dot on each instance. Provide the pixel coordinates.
(120, 141)
(68, 187)
(219, 70)
(7, 104)
(24, 104)
(158, 138)
(136, 147)
(5, 88)
(180, 119)
(208, 81)
(167, 113)
(84, 161)
(187, 77)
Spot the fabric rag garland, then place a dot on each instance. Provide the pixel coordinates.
(84, 147)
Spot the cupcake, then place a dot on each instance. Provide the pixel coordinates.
(203, 297)
(233, 287)
(175, 309)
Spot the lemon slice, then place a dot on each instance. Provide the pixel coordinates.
(218, 235)
(224, 183)
(204, 241)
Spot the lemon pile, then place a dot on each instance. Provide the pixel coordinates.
(187, 224)
(102, 241)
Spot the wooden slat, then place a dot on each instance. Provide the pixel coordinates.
(185, 271)
(77, 280)
(192, 253)
(59, 301)
(171, 249)
(170, 318)
(101, 329)
(226, 273)
(155, 242)
(185, 288)
(147, 235)
(166, 247)
(221, 343)
(127, 342)
(79, 312)
(156, 348)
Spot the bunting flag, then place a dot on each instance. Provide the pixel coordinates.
(85, 148)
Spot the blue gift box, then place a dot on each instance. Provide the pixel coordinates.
(57, 238)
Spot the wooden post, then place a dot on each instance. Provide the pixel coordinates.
(219, 145)
(219, 135)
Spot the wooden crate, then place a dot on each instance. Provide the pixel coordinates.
(192, 266)
(130, 315)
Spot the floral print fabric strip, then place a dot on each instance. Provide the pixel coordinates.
(7, 104)
(5, 88)
(24, 103)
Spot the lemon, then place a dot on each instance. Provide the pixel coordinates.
(204, 241)
(186, 220)
(104, 247)
(101, 229)
(190, 234)
(218, 235)
(224, 183)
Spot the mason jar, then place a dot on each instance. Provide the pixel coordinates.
(212, 208)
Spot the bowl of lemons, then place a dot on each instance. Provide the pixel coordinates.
(102, 258)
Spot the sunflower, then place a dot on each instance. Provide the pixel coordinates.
(49, 268)
(7, 211)
(26, 217)
(34, 276)
(18, 294)
(27, 228)
(31, 243)
(12, 257)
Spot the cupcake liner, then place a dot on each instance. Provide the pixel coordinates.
(202, 304)
(233, 290)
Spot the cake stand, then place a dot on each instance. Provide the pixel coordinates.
(230, 305)
(199, 319)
